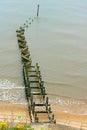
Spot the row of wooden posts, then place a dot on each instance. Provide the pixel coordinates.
(33, 72)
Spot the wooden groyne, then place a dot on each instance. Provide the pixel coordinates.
(38, 101)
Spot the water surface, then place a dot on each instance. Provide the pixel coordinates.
(57, 41)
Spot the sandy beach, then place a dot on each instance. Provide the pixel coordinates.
(69, 111)
(12, 112)
(16, 113)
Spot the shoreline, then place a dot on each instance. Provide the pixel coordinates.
(12, 108)
(11, 113)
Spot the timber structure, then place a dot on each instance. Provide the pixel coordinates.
(38, 101)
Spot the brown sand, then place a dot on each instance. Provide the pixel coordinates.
(68, 119)
(60, 114)
(10, 111)
(14, 112)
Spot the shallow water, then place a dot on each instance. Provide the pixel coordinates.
(57, 41)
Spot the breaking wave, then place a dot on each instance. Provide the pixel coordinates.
(6, 84)
(11, 92)
(68, 104)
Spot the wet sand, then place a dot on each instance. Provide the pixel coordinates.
(9, 111)
(12, 112)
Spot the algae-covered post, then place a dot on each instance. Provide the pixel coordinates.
(38, 10)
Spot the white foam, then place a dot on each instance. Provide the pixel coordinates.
(11, 92)
(6, 84)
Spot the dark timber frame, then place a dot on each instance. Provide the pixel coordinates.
(38, 101)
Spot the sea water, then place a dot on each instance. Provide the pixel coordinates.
(57, 40)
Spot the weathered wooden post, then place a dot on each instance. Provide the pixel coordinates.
(52, 116)
(43, 92)
(33, 108)
(49, 110)
(41, 84)
(31, 99)
(38, 10)
(46, 103)
(36, 118)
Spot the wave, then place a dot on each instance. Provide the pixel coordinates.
(11, 92)
(6, 84)
(68, 105)
(57, 83)
(66, 89)
(65, 100)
